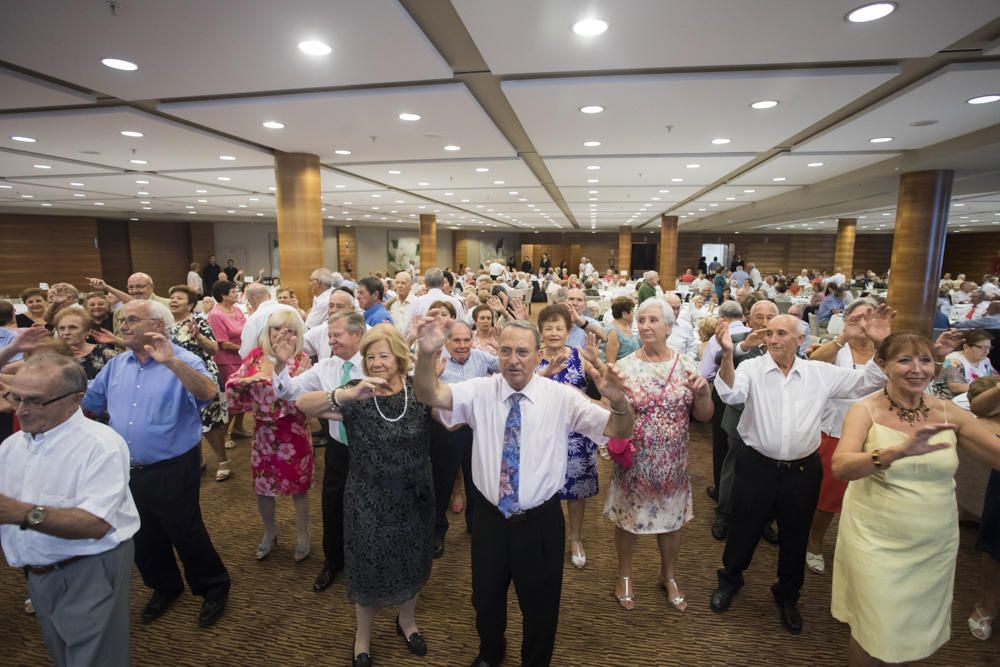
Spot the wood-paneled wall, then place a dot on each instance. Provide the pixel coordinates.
(161, 249)
(116, 252)
(202, 237)
(971, 254)
(50, 249)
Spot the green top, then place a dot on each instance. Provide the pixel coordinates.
(646, 291)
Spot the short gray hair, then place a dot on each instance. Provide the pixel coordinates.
(665, 309)
(257, 293)
(456, 325)
(355, 322)
(336, 279)
(857, 303)
(157, 311)
(72, 377)
(730, 310)
(433, 277)
(323, 276)
(526, 325)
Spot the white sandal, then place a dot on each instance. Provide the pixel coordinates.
(224, 471)
(980, 625)
(625, 600)
(815, 563)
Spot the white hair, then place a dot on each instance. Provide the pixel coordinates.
(160, 312)
(323, 276)
(665, 309)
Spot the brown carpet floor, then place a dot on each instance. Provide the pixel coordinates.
(274, 617)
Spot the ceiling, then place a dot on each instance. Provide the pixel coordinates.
(501, 140)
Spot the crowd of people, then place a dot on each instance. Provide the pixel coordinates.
(435, 391)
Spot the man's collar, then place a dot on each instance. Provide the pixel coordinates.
(532, 390)
(772, 365)
(40, 439)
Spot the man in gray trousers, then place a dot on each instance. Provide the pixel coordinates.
(66, 514)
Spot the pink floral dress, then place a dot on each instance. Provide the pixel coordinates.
(654, 495)
(282, 457)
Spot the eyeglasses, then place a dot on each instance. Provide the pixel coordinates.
(132, 320)
(984, 348)
(32, 403)
(137, 287)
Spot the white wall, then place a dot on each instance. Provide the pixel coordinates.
(372, 249)
(330, 250)
(445, 243)
(249, 240)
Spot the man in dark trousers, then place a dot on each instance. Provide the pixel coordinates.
(210, 274)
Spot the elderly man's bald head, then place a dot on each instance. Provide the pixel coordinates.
(140, 286)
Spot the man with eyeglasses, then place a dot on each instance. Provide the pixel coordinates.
(67, 517)
(521, 425)
(154, 393)
(140, 288)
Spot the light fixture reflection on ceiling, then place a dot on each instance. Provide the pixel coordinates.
(117, 63)
(273, 125)
(26, 140)
(131, 133)
(314, 47)
(871, 12)
(721, 141)
(452, 147)
(590, 27)
(984, 99)
(592, 108)
(764, 104)
(409, 116)
(880, 140)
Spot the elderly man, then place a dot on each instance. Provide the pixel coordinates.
(682, 336)
(779, 470)
(962, 292)
(434, 282)
(576, 305)
(261, 305)
(647, 290)
(370, 294)
(739, 277)
(798, 311)
(346, 330)
(451, 449)
(154, 393)
(833, 304)
(399, 308)
(66, 515)
(320, 286)
(977, 304)
(140, 288)
(316, 341)
(990, 319)
(520, 423)
(755, 277)
(60, 295)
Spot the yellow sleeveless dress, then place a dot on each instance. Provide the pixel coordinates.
(894, 568)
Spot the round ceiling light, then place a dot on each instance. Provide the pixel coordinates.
(314, 47)
(26, 140)
(592, 108)
(409, 116)
(984, 99)
(116, 63)
(590, 27)
(871, 12)
(273, 125)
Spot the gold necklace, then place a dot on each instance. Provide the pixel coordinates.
(908, 415)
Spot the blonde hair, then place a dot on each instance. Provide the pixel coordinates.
(397, 346)
(706, 328)
(79, 311)
(281, 318)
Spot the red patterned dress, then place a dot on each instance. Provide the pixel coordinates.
(282, 457)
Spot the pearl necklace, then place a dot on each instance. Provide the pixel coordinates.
(406, 403)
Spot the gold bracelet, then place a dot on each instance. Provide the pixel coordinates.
(617, 412)
(876, 460)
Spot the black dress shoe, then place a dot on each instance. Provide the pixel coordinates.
(769, 534)
(721, 599)
(720, 529)
(479, 662)
(363, 660)
(211, 610)
(324, 578)
(713, 493)
(790, 617)
(414, 642)
(157, 605)
(438, 547)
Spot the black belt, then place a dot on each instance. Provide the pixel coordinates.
(45, 569)
(163, 463)
(783, 465)
(529, 513)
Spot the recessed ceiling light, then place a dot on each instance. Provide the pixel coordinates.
(423, 183)
(227, 157)
(144, 202)
(98, 203)
(76, 184)
(395, 172)
(872, 12)
(30, 140)
(202, 201)
(376, 196)
(593, 167)
(590, 27)
(146, 208)
(27, 196)
(764, 104)
(593, 180)
(137, 183)
(591, 144)
(692, 166)
(42, 166)
(142, 193)
(958, 204)
(342, 151)
(79, 194)
(749, 192)
(815, 164)
(273, 125)
(134, 219)
(117, 63)
(452, 147)
(131, 133)
(314, 47)
(201, 192)
(880, 140)
(482, 170)
(984, 99)
(409, 116)
(513, 193)
(779, 179)
(592, 108)
(498, 182)
(223, 178)
(721, 141)
(730, 198)
(138, 162)
(46, 204)
(676, 180)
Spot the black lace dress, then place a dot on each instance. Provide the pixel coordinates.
(388, 500)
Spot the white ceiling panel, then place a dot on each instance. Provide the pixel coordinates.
(256, 180)
(740, 193)
(640, 195)
(654, 114)
(187, 48)
(795, 170)
(641, 171)
(940, 98)
(95, 134)
(14, 165)
(521, 36)
(128, 185)
(19, 91)
(449, 174)
(501, 196)
(365, 122)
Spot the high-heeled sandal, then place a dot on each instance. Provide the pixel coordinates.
(302, 551)
(626, 600)
(577, 555)
(980, 625)
(677, 601)
(224, 470)
(264, 549)
(458, 501)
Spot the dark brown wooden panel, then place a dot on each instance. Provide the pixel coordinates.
(971, 254)
(116, 252)
(38, 248)
(161, 249)
(202, 236)
(872, 252)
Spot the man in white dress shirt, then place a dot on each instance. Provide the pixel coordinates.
(346, 330)
(435, 284)
(316, 341)
(261, 305)
(520, 424)
(321, 286)
(779, 470)
(399, 308)
(67, 516)
(682, 336)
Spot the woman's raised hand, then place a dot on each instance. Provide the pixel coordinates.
(431, 336)
(918, 443)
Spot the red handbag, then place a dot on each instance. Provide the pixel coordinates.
(622, 450)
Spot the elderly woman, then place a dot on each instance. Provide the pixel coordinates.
(706, 329)
(485, 323)
(99, 308)
(567, 365)
(287, 296)
(282, 458)
(965, 366)
(35, 299)
(621, 341)
(851, 349)
(898, 538)
(194, 282)
(389, 496)
(653, 496)
(227, 320)
(194, 334)
(73, 325)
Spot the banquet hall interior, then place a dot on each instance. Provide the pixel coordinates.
(145, 135)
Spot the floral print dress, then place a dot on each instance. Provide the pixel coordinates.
(282, 456)
(654, 495)
(581, 468)
(215, 413)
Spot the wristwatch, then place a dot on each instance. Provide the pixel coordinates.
(34, 517)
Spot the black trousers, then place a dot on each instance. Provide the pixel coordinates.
(167, 497)
(449, 450)
(527, 549)
(764, 487)
(720, 439)
(335, 462)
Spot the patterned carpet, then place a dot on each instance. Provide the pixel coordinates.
(274, 618)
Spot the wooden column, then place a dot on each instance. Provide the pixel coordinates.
(300, 221)
(428, 241)
(668, 251)
(625, 249)
(843, 254)
(347, 251)
(918, 247)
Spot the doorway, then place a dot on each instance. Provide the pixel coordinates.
(712, 250)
